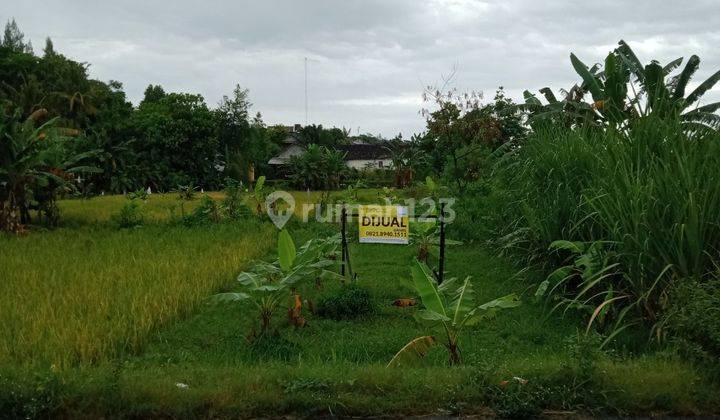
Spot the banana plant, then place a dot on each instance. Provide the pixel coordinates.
(608, 87)
(270, 284)
(432, 188)
(666, 94)
(34, 165)
(426, 235)
(259, 194)
(449, 308)
(568, 111)
(616, 100)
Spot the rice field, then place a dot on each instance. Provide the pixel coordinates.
(88, 294)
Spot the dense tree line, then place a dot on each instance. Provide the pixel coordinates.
(62, 131)
(169, 139)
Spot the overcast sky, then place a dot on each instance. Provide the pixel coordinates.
(368, 61)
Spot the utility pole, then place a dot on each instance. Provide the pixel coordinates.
(306, 99)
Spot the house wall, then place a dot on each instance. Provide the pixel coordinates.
(369, 163)
(286, 154)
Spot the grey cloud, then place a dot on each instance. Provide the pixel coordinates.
(368, 59)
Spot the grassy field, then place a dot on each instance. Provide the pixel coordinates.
(108, 322)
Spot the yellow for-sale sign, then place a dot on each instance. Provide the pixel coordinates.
(383, 224)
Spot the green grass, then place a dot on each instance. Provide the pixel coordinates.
(130, 363)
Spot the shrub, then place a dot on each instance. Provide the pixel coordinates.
(29, 395)
(186, 192)
(694, 319)
(476, 212)
(131, 215)
(233, 205)
(140, 194)
(207, 212)
(319, 168)
(348, 302)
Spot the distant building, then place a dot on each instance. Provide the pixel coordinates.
(357, 155)
(366, 156)
(291, 147)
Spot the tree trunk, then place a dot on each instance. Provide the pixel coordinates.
(265, 318)
(10, 216)
(454, 354)
(423, 254)
(251, 173)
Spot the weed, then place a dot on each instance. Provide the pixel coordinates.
(130, 216)
(234, 206)
(348, 302)
(140, 194)
(206, 212)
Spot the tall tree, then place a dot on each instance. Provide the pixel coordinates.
(49, 49)
(14, 39)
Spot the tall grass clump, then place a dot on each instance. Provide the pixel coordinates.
(637, 209)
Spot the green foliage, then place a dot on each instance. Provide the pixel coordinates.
(268, 285)
(324, 137)
(35, 167)
(131, 215)
(426, 237)
(246, 145)
(170, 139)
(694, 320)
(659, 94)
(319, 168)
(140, 194)
(29, 397)
(348, 302)
(259, 195)
(517, 400)
(233, 205)
(186, 192)
(14, 40)
(179, 143)
(644, 201)
(128, 364)
(451, 305)
(208, 211)
(462, 130)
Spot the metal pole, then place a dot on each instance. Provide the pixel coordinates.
(343, 216)
(348, 263)
(441, 264)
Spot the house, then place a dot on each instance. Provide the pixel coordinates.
(366, 156)
(291, 147)
(357, 155)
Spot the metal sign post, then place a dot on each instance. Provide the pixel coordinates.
(345, 256)
(441, 263)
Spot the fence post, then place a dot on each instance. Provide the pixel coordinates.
(343, 216)
(441, 264)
